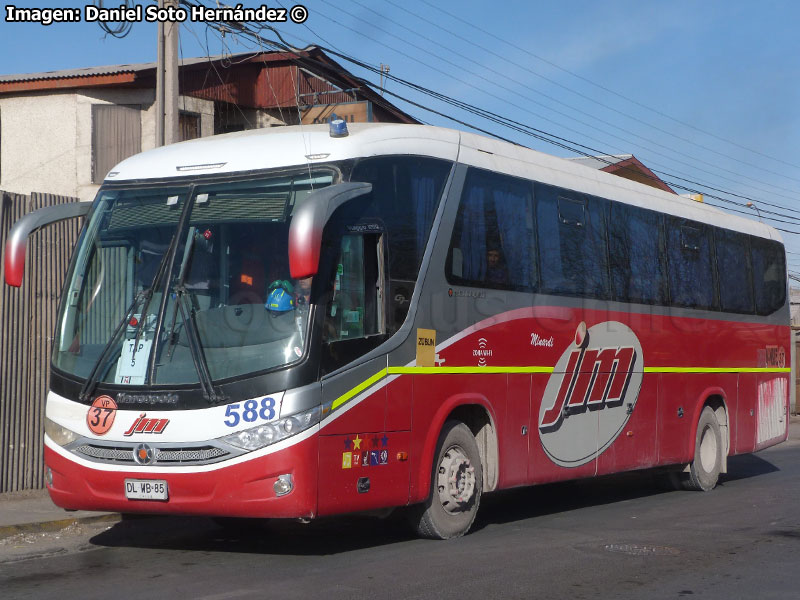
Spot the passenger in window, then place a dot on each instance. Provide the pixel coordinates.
(496, 271)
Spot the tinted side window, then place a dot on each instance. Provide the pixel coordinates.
(636, 242)
(493, 238)
(689, 253)
(571, 232)
(769, 275)
(733, 270)
(405, 195)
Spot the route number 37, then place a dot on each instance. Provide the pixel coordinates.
(250, 412)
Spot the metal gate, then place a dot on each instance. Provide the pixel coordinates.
(27, 324)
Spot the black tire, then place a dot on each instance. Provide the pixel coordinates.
(456, 486)
(669, 479)
(707, 463)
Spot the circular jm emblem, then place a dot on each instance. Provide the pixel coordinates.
(143, 454)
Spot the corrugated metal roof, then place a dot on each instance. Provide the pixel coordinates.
(69, 73)
(119, 69)
(239, 87)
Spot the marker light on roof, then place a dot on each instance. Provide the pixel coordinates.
(200, 167)
(338, 127)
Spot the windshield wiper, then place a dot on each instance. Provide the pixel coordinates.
(195, 346)
(189, 324)
(146, 294)
(96, 375)
(187, 257)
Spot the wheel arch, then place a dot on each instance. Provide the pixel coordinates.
(475, 411)
(716, 399)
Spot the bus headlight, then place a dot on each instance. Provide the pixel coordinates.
(60, 435)
(261, 436)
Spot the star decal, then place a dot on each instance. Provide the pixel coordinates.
(385, 440)
(375, 441)
(357, 443)
(347, 444)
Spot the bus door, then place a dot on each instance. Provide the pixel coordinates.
(359, 464)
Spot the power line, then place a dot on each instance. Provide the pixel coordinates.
(494, 83)
(593, 83)
(488, 115)
(122, 28)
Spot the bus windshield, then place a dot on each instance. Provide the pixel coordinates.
(224, 303)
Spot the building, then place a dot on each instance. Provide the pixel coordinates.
(62, 131)
(624, 165)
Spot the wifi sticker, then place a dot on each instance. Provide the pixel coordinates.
(482, 352)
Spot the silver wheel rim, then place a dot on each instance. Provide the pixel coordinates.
(455, 480)
(708, 450)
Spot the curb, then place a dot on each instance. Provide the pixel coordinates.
(57, 525)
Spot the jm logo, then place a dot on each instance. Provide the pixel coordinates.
(145, 425)
(594, 379)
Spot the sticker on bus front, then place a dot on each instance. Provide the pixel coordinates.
(101, 415)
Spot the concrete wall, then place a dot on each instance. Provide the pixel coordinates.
(39, 143)
(46, 138)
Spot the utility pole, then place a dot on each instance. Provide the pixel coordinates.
(167, 79)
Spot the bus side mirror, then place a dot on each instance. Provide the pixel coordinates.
(305, 231)
(17, 242)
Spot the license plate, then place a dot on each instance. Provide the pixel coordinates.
(146, 489)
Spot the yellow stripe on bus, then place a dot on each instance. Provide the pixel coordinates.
(358, 389)
(468, 370)
(717, 370)
(510, 370)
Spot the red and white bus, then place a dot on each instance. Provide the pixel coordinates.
(297, 322)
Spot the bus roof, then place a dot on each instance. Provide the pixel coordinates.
(307, 145)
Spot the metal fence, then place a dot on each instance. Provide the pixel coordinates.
(27, 324)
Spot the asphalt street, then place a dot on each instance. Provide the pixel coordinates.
(614, 537)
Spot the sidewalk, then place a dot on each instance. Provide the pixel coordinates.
(33, 511)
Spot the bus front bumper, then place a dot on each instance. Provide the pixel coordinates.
(243, 489)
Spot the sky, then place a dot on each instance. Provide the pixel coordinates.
(704, 92)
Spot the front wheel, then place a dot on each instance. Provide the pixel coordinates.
(705, 468)
(456, 486)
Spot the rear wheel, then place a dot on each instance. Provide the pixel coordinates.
(456, 486)
(705, 468)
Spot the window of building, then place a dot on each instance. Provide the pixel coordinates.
(116, 135)
(188, 126)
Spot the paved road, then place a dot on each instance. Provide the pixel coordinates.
(618, 537)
